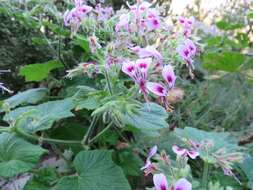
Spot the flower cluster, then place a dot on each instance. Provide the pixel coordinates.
(159, 179)
(187, 49)
(141, 18)
(74, 17)
(138, 71)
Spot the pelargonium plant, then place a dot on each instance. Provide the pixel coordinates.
(143, 46)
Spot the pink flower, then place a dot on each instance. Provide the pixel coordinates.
(123, 23)
(75, 16)
(187, 50)
(104, 13)
(184, 152)
(160, 182)
(187, 23)
(139, 8)
(138, 71)
(153, 20)
(151, 153)
(160, 89)
(149, 51)
(182, 184)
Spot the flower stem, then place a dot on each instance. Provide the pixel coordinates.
(36, 138)
(101, 132)
(4, 129)
(205, 175)
(108, 82)
(89, 131)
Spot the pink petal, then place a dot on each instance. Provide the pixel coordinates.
(152, 152)
(178, 150)
(143, 64)
(192, 154)
(143, 6)
(84, 9)
(129, 68)
(169, 75)
(181, 19)
(160, 182)
(147, 165)
(157, 89)
(149, 51)
(182, 184)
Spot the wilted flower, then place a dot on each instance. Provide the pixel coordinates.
(160, 182)
(93, 43)
(89, 67)
(75, 16)
(138, 71)
(185, 152)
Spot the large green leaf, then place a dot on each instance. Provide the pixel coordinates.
(150, 118)
(31, 96)
(95, 170)
(39, 71)
(246, 166)
(41, 117)
(16, 155)
(226, 61)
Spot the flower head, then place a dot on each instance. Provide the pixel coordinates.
(161, 89)
(185, 152)
(187, 24)
(138, 71)
(187, 51)
(75, 16)
(151, 153)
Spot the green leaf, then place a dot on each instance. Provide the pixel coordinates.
(31, 96)
(130, 162)
(246, 166)
(82, 42)
(42, 180)
(228, 26)
(36, 118)
(16, 155)
(90, 103)
(250, 15)
(149, 118)
(227, 61)
(96, 170)
(39, 71)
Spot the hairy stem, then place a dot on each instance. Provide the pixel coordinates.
(90, 129)
(108, 82)
(101, 133)
(205, 175)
